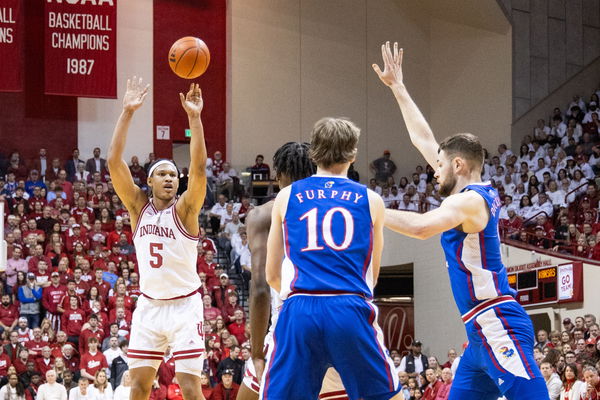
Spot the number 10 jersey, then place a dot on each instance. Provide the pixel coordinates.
(328, 237)
(166, 254)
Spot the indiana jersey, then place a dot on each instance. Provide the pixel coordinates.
(166, 254)
(474, 260)
(328, 235)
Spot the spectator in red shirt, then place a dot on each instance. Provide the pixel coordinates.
(114, 236)
(91, 329)
(21, 362)
(9, 314)
(238, 327)
(70, 358)
(36, 344)
(229, 309)
(221, 293)
(73, 319)
(14, 347)
(121, 292)
(45, 362)
(227, 389)
(38, 254)
(66, 301)
(4, 362)
(92, 360)
(34, 384)
(444, 391)
(134, 286)
(174, 391)
(210, 313)
(102, 285)
(433, 385)
(51, 297)
(81, 287)
(77, 237)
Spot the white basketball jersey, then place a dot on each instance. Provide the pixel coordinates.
(166, 254)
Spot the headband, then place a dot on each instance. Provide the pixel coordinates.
(162, 162)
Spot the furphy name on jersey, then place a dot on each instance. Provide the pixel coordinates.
(155, 230)
(327, 194)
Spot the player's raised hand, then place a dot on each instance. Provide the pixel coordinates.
(392, 65)
(135, 94)
(192, 102)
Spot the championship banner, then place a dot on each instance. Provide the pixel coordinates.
(81, 48)
(11, 45)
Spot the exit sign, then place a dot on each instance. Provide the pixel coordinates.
(188, 133)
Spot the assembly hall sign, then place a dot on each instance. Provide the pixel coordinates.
(81, 48)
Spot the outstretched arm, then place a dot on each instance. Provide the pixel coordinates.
(419, 131)
(131, 195)
(467, 209)
(258, 222)
(192, 200)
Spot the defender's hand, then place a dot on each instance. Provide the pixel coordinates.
(392, 65)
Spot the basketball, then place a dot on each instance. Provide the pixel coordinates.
(189, 57)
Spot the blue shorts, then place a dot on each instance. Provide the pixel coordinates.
(316, 332)
(499, 359)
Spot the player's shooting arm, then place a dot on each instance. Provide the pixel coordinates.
(131, 195)
(193, 198)
(419, 131)
(257, 224)
(453, 211)
(275, 242)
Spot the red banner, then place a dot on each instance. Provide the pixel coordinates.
(81, 48)
(11, 45)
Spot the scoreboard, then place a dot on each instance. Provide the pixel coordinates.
(538, 284)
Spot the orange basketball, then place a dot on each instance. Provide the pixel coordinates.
(189, 57)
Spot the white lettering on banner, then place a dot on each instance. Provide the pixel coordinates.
(6, 35)
(79, 21)
(82, 41)
(6, 15)
(85, 2)
(565, 282)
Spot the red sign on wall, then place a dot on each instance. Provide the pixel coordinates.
(81, 48)
(11, 45)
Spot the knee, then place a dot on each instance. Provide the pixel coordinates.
(141, 386)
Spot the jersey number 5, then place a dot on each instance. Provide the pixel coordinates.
(154, 252)
(311, 218)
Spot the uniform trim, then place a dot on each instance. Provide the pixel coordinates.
(468, 316)
(515, 341)
(173, 298)
(466, 270)
(267, 377)
(324, 293)
(340, 394)
(187, 354)
(380, 346)
(369, 254)
(180, 226)
(146, 354)
(488, 348)
(137, 226)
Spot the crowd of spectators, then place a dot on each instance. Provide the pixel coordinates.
(569, 361)
(549, 189)
(72, 281)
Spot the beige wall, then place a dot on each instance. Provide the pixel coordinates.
(97, 117)
(470, 82)
(320, 65)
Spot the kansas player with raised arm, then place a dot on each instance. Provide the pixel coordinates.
(328, 230)
(499, 358)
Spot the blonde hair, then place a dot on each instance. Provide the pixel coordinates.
(333, 141)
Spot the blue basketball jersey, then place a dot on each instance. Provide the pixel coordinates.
(473, 259)
(328, 236)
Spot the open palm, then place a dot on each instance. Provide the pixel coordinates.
(135, 94)
(392, 65)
